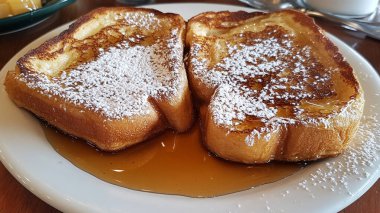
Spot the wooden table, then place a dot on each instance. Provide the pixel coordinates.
(15, 198)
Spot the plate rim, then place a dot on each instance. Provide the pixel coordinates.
(61, 206)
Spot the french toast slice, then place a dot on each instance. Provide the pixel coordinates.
(115, 77)
(275, 87)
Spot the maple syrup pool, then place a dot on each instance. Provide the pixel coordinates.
(171, 163)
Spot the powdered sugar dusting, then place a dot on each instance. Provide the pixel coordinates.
(258, 75)
(147, 21)
(229, 95)
(119, 81)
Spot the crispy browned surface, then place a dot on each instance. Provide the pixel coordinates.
(48, 51)
(107, 134)
(338, 101)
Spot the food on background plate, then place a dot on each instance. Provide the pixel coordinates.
(14, 7)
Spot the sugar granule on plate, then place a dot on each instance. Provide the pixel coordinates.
(336, 174)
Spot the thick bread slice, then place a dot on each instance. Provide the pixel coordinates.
(275, 86)
(114, 78)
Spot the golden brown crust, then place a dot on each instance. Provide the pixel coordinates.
(328, 134)
(106, 133)
(216, 19)
(43, 50)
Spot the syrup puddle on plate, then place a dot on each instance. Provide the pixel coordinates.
(170, 163)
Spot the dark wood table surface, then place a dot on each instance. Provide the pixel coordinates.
(15, 198)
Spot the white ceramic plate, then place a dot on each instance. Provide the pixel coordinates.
(326, 186)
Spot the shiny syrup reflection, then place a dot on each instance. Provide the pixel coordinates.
(171, 163)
